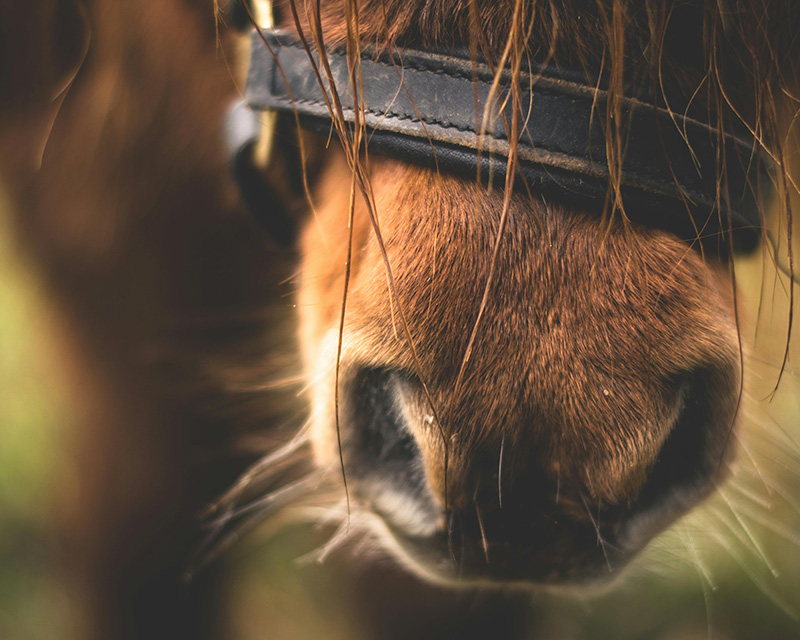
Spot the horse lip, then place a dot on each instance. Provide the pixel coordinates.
(443, 561)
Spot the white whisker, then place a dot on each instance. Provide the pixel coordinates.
(703, 575)
(788, 497)
(600, 541)
(320, 554)
(762, 586)
(702, 570)
(261, 468)
(755, 466)
(751, 495)
(274, 499)
(500, 472)
(772, 524)
(745, 537)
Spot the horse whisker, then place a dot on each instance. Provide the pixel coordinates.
(320, 554)
(259, 469)
(699, 565)
(600, 541)
(762, 586)
(500, 472)
(772, 524)
(275, 499)
(245, 518)
(746, 539)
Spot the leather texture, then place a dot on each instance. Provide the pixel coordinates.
(431, 109)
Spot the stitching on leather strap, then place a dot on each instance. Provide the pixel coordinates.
(562, 132)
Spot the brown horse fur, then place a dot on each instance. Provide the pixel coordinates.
(586, 336)
(594, 336)
(551, 355)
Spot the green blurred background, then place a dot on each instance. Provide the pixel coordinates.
(35, 421)
(731, 569)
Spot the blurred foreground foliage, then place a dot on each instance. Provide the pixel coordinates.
(34, 599)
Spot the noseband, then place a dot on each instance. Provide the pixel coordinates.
(430, 109)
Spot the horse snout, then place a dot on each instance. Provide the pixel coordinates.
(540, 427)
(523, 508)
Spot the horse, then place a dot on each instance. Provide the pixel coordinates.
(516, 384)
(516, 377)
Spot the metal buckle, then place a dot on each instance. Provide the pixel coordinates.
(262, 12)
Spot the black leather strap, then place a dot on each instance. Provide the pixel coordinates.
(670, 161)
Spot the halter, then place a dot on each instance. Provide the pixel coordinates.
(421, 107)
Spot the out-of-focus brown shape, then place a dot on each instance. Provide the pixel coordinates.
(136, 228)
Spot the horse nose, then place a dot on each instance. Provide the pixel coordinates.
(508, 515)
(692, 458)
(382, 455)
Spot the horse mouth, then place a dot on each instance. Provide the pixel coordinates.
(542, 535)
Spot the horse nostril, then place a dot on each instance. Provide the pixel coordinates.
(379, 450)
(692, 457)
(378, 435)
